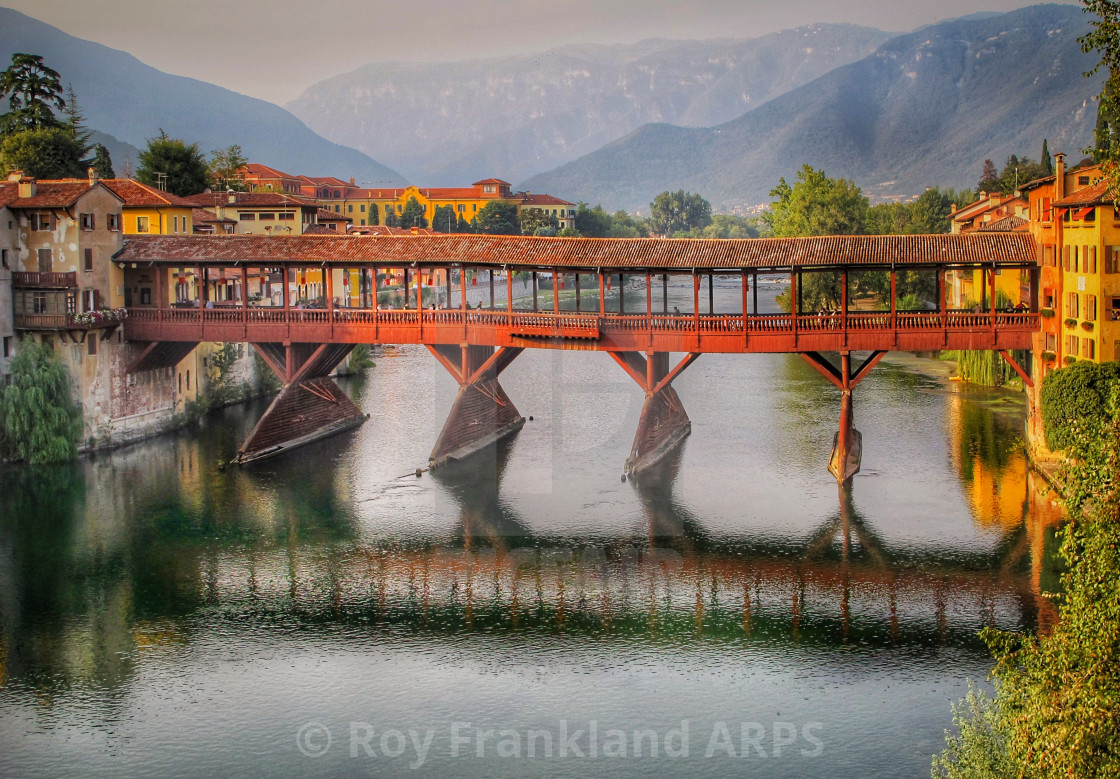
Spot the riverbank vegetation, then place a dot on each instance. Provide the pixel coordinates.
(1056, 708)
(39, 421)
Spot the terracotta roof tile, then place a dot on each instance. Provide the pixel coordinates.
(249, 200)
(1010, 249)
(62, 193)
(533, 201)
(1095, 195)
(1005, 225)
(202, 216)
(325, 215)
(135, 194)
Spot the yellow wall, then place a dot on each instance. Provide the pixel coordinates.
(1083, 238)
(161, 221)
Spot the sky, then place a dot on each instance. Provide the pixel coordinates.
(274, 49)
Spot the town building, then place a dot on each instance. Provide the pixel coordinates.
(260, 213)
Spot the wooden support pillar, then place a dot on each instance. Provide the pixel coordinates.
(696, 302)
(844, 303)
(328, 287)
(555, 291)
(794, 297)
(711, 294)
(602, 295)
(509, 291)
(993, 296)
(665, 293)
(482, 412)
(847, 449)
(649, 306)
(942, 311)
(621, 294)
(578, 302)
(534, 290)
(894, 307)
(663, 423)
(755, 307)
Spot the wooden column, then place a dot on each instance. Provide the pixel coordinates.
(602, 295)
(894, 307)
(555, 292)
(744, 308)
(665, 293)
(794, 298)
(406, 289)
(696, 305)
(490, 273)
(621, 294)
(993, 290)
(534, 290)
(649, 306)
(844, 303)
(711, 293)
(245, 298)
(201, 293)
(578, 307)
(420, 301)
(756, 293)
(509, 291)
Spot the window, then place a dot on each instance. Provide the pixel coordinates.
(246, 216)
(1091, 307)
(41, 222)
(1091, 215)
(88, 260)
(1115, 308)
(350, 208)
(1090, 259)
(7, 346)
(91, 300)
(1072, 307)
(189, 379)
(145, 296)
(44, 260)
(86, 221)
(3, 258)
(1045, 211)
(337, 193)
(39, 302)
(1082, 181)
(1112, 259)
(462, 207)
(91, 343)
(1089, 349)
(363, 223)
(1051, 342)
(141, 224)
(474, 206)
(488, 188)
(362, 208)
(266, 217)
(113, 221)
(1048, 256)
(286, 216)
(1073, 345)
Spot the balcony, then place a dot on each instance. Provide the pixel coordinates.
(36, 280)
(91, 320)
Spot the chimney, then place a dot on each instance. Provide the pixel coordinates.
(351, 181)
(92, 175)
(1059, 175)
(231, 196)
(27, 187)
(415, 230)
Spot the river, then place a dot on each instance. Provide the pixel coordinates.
(527, 611)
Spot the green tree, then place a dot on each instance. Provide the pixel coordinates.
(173, 164)
(392, 219)
(497, 218)
(534, 221)
(1104, 39)
(102, 162)
(227, 168)
(444, 219)
(816, 205)
(1046, 160)
(592, 222)
(39, 421)
(412, 215)
(672, 212)
(624, 225)
(34, 93)
(76, 123)
(52, 153)
(463, 226)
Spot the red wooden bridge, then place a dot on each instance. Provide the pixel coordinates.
(475, 344)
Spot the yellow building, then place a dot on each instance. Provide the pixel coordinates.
(146, 210)
(1089, 261)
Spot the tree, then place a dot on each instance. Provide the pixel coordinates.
(989, 177)
(1046, 159)
(76, 123)
(34, 93)
(39, 421)
(816, 205)
(534, 221)
(102, 162)
(227, 168)
(412, 215)
(497, 218)
(1104, 39)
(173, 165)
(392, 219)
(671, 212)
(592, 222)
(52, 153)
(463, 226)
(444, 219)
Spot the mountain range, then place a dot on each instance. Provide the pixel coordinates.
(925, 109)
(130, 101)
(450, 123)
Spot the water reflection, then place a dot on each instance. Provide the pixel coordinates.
(146, 569)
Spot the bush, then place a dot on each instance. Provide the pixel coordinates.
(1074, 394)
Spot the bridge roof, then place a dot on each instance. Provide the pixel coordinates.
(657, 254)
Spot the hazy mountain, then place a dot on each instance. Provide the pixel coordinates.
(454, 123)
(131, 101)
(925, 109)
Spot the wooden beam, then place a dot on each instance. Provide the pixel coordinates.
(447, 360)
(677, 371)
(864, 369)
(1027, 380)
(496, 363)
(634, 364)
(824, 368)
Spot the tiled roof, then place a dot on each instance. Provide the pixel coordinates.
(325, 215)
(137, 195)
(533, 201)
(1095, 195)
(491, 181)
(202, 216)
(9, 191)
(256, 169)
(1005, 225)
(639, 254)
(376, 230)
(54, 194)
(319, 229)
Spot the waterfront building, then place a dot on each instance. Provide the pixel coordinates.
(59, 239)
(989, 213)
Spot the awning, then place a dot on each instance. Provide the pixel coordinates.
(1081, 212)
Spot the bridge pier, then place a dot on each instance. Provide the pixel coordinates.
(663, 423)
(847, 447)
(309, 407)
(482, 412)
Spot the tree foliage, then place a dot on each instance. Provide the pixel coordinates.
(51, 153)
(227, 168)
(412, 215)
(816, 205)
(928, 215)
(102, 162)
(1104, 39)
(39, 421)
(444, 219)
(175, 164)
(673, 212)
(34, 93)
(1071, 395)
(535, 221)
(497, 218)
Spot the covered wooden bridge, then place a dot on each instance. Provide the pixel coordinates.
(253, 289)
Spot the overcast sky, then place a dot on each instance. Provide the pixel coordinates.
(274, 49)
